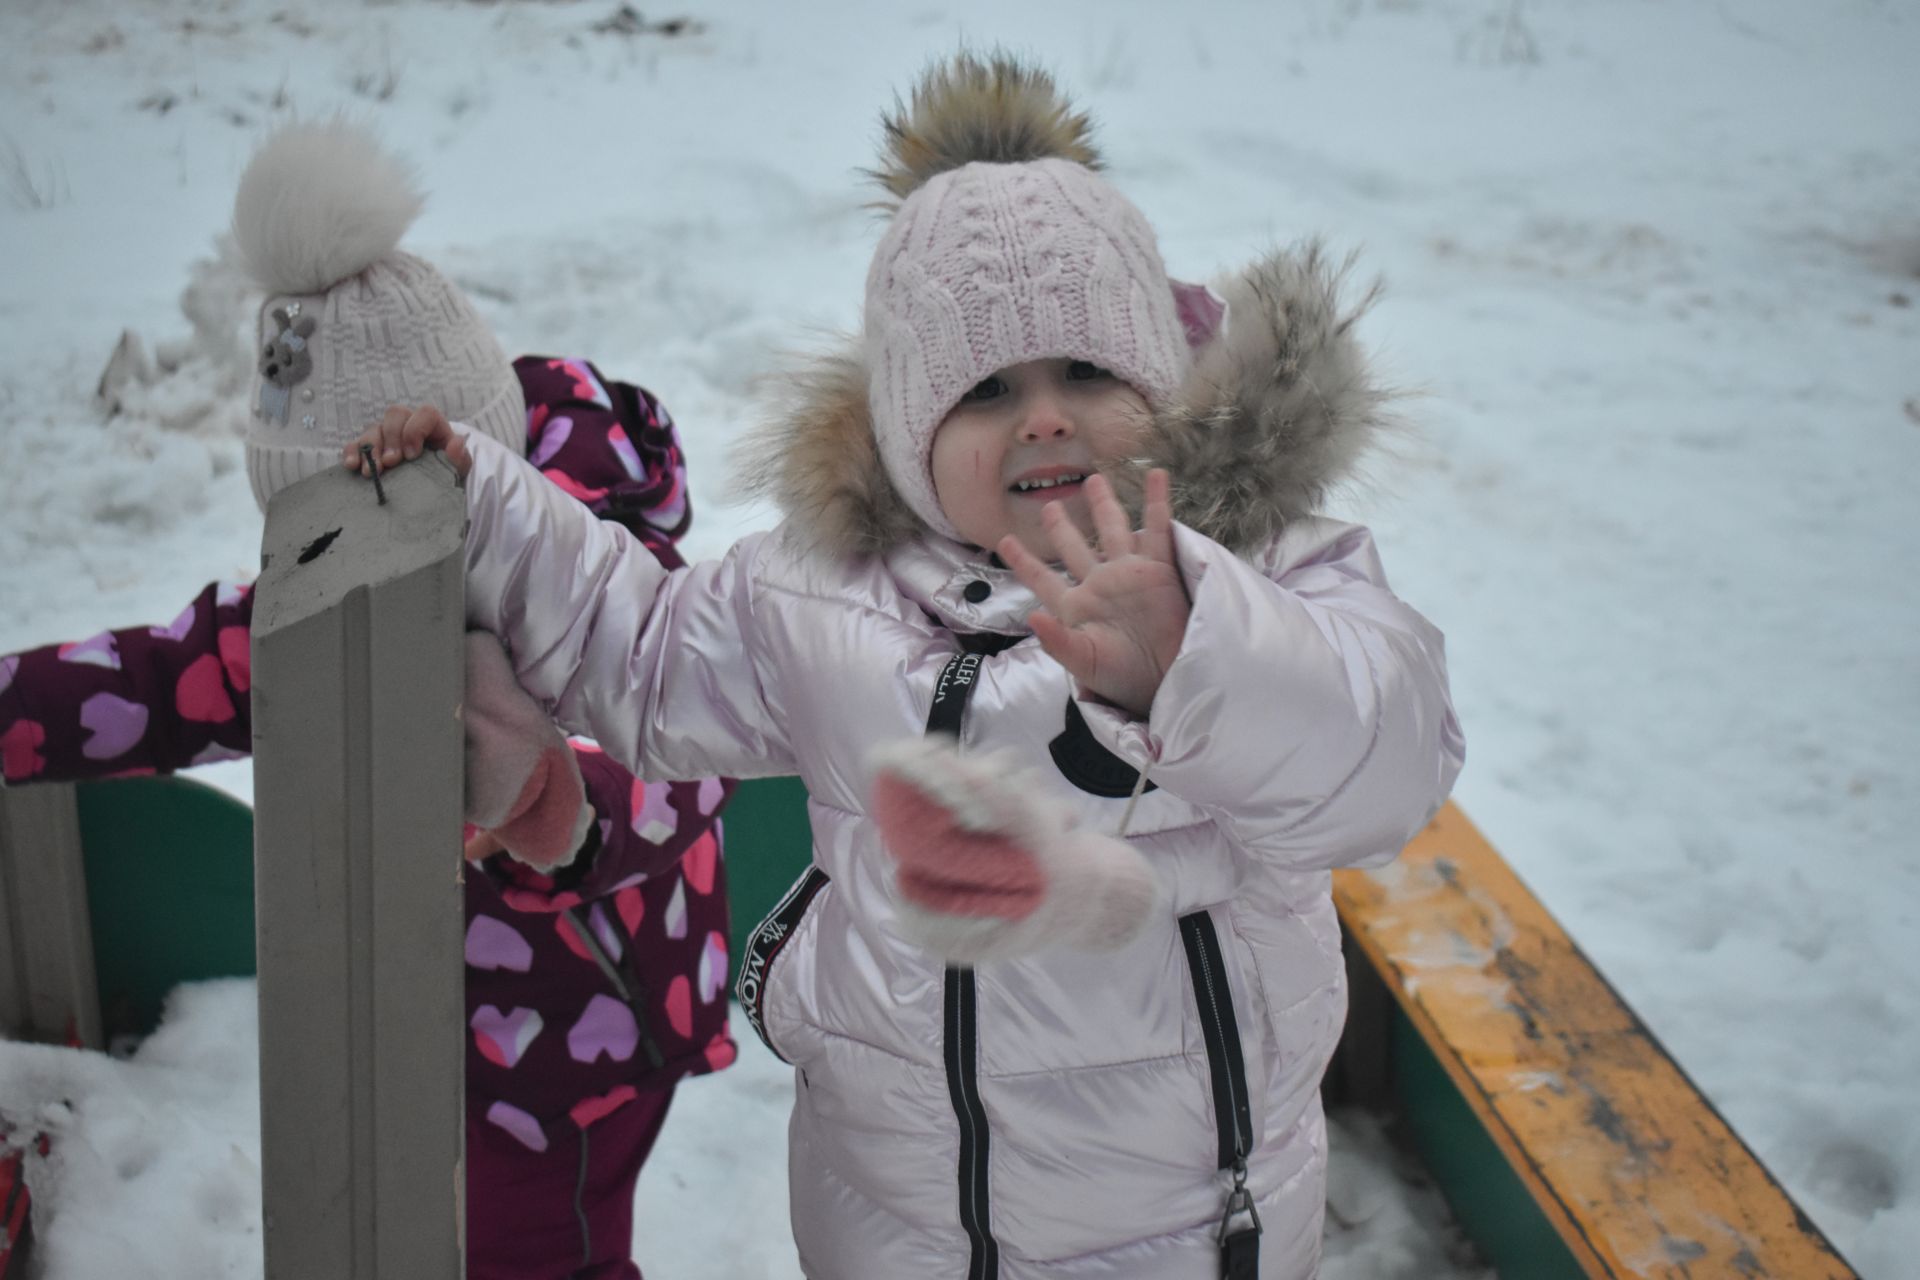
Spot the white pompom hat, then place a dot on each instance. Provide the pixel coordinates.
(351, 325)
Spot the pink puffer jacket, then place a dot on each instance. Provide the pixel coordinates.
(1069, 1114)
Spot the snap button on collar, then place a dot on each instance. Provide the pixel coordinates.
(977, 590)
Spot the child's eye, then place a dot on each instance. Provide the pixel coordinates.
(989, 388)
(1085, 371)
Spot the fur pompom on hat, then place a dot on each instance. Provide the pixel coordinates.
(350, 324)
(994, 112)
(1006, 247)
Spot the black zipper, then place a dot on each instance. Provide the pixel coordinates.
(963, 1086)
(1233, 1110)
(634, 995)
(961, 1035)
(1239, 1233)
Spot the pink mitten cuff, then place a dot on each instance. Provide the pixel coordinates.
(523, 784)
(989, 867)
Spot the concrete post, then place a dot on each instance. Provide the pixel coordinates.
(48, 987)
(357, 682)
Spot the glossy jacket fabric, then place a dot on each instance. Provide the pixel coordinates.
(1304, 725)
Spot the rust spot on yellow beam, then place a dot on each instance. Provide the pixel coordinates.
(1632, 1165)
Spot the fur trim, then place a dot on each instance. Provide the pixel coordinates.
(1278, 409)
(320, 202)
(999, 110)
(815, 458)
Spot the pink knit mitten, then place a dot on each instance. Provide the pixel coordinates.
(989, 867)
(523, 784)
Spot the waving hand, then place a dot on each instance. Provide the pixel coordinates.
(1116, 616)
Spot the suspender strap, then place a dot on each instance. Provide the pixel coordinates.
(962, 1049)
(950, 694)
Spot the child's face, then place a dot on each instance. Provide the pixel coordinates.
(1028, 436)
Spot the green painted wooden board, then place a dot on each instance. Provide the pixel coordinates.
(1491, 1204)
(169, 865)
(170, 881)
(769, 845)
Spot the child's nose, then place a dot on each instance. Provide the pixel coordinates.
(1046, 419)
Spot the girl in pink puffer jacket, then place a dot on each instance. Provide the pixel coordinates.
(1025, 1047)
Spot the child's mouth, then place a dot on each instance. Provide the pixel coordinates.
(1049, 488)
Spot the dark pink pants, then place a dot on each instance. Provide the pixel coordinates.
(565, 1213)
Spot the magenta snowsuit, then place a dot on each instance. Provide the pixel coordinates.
(589, 993)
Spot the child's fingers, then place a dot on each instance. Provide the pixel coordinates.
(1033, 572)
(457, 453)
(1075, 554)
(404, 433)
(483, 846)
(426, 428)
(1109, 518)
(382, 437)
(390, 446)
(1156, 537)
(350, 451)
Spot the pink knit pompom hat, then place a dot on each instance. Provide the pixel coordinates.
(1006, 247)
(351, 325)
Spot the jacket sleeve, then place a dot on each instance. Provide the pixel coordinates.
(640, 830)
(1307, 710)
(138, 700)
(661, 667)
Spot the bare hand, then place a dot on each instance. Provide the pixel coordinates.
(1118, 622)
(404, 434)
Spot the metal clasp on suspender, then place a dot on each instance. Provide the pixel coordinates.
(1240, 1247)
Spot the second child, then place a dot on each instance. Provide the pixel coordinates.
(592, 987)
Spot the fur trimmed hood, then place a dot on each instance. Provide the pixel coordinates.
(1274, 408)
(1277, 409)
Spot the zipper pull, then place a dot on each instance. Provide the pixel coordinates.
(1240, 1247)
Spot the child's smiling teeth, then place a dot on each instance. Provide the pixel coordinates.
(1052, 482)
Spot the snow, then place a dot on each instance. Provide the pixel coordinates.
(1654, 279)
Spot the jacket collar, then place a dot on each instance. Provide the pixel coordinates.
(962, 587)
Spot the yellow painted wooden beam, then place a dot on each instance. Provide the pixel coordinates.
(1632, 1165)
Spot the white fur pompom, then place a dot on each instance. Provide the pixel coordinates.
(319, 202)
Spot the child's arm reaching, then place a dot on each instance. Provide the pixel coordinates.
(1305, 706)
(138, 700)
(658, 667)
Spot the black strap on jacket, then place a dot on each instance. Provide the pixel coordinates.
(960, 1030)
(1239, 1232)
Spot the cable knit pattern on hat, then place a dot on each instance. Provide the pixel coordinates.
(991, 265)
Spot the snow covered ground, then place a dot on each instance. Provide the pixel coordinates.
(1654, 270)
(154, 1173)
